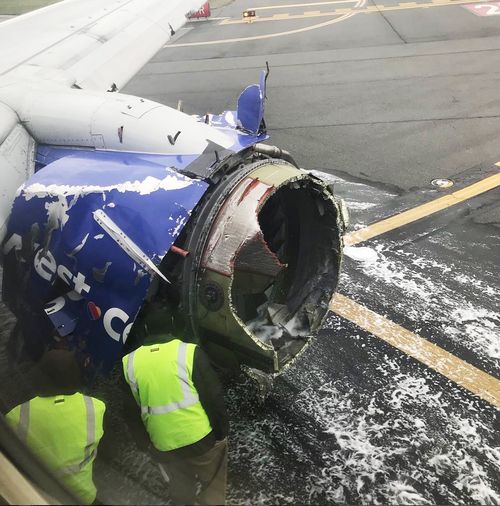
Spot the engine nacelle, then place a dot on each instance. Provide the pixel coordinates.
(262, 242)
(264, 260)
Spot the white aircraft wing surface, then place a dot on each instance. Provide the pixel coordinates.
(89, 43)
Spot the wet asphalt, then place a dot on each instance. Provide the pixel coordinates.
(381, 104)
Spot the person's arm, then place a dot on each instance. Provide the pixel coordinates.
(211, 393)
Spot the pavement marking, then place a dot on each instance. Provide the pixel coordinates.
(422, 211)
(455, 369)
(290, 6)
(366, 10)
(484, 9)
(269, 35)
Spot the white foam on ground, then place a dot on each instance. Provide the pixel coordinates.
(361, 253)
(424, 290)
(375, 446)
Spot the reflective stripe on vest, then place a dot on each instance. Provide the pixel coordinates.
(89, 454)
(24, 420)
(63, 431)
(131, 376)
(189, 398)
(160, 377)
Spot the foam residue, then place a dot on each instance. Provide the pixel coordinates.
(57, 212)
(264, 332)
(469, 475)
(361, 253)
(179, 225)
(145, 187)
(401, 441)
(433, 292)
(372, 440)
(403, 493)
(262, 327)
(359, 197)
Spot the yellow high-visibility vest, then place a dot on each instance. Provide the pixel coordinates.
(160, 377)
(63, 431)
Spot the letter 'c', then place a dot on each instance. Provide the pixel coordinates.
(108, 318)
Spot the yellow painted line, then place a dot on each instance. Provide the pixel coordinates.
(341, 11)
(455, 369)
(366, 10)
(299, 30)
(434, 3)
(268, 35)
(291, 6)
(422, 211)
(281, 17)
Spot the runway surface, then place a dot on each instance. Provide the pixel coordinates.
(380, 98)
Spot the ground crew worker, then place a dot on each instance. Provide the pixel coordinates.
(182, 409)
(60, 425)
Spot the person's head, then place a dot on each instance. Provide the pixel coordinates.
(159, 322)
(59, 373)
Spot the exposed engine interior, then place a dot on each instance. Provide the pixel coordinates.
(286, 309)
(250, 277)
(262, 273)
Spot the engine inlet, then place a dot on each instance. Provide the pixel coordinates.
(269, 266)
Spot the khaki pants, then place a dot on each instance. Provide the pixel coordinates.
(208, 471)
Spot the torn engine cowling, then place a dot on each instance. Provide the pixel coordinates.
(260, 243)
(265, 254)
(99, 226)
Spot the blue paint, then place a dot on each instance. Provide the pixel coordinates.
(246, 124)
(250, 112)
(81, 249)
(86, 287)
(48, 154)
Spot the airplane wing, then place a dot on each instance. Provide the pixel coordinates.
(89, 44)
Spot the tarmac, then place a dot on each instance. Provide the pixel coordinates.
(396, 401)
(381, 102)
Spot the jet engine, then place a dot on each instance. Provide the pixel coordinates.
(264, 259)
(132, 201)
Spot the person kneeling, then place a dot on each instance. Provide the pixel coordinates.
(182, 409)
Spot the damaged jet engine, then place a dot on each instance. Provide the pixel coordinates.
(136, 198)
